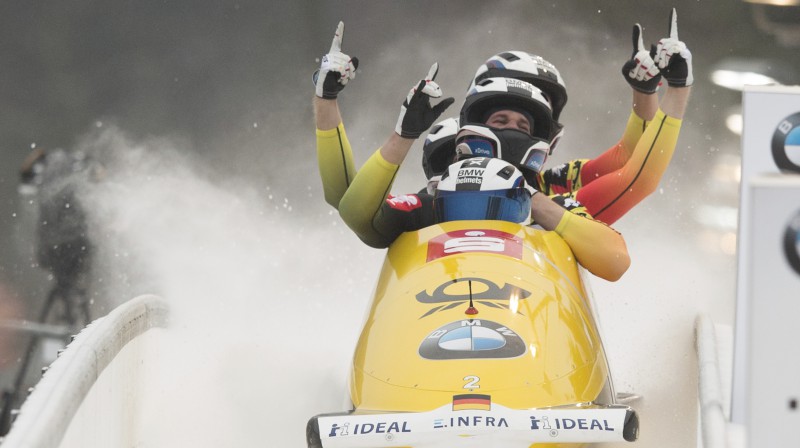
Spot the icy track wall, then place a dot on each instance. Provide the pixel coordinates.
(87, 396)
(264, 315)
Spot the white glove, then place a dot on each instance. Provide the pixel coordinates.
(673, 58)
(335, 70)
(640, 70)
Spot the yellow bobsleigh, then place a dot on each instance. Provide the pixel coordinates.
(480, 333)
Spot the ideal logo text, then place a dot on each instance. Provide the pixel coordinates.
(570, 423)
(368, 428)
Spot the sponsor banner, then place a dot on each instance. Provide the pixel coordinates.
(770, 145)
(773, 280)
(513, 427)
(474, 240)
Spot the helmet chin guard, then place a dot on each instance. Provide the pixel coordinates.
(516, 147)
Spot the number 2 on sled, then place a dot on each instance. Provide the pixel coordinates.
(472, 382)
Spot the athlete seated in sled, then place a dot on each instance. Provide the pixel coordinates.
(609, 185)
(379, 220)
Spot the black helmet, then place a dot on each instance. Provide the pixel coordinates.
(439, 149)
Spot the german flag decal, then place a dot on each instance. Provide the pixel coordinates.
(472, 401)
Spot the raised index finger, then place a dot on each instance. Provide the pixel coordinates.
(336, 45)
(673, 24)
(638, 44)
(433, 71)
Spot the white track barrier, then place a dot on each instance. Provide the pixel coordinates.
(712, 414)
(50, 410)
(714, 351)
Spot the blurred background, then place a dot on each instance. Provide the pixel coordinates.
(201, 112)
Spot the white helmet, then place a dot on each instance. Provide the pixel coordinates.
(492, 94)
(483, 188)
(529, 68)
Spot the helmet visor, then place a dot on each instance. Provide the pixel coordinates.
(513, 205)
(473, 145)
(535, 156)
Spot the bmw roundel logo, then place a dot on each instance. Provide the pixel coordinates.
(791, 243)
(472, 339)
(786, 144)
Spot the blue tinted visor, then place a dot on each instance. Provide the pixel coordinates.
(513, 205)
(534, 159)
(476, 146)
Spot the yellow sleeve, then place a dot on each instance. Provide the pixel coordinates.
(597, 247)
(653, 152)
(363, 199)
(335, 160)
(633, 132)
